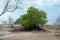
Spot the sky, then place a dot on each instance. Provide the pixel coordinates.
(51, 7)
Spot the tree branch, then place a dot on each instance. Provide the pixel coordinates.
(13, 9)
(5, 8)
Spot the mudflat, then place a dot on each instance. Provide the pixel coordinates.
(30, 36)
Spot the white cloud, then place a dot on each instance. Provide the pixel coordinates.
(51, 2)
(39, 2)
(26, 4)
(47, 3)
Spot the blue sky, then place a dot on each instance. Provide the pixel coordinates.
(52, 8)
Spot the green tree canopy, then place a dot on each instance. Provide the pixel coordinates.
(33, 17)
